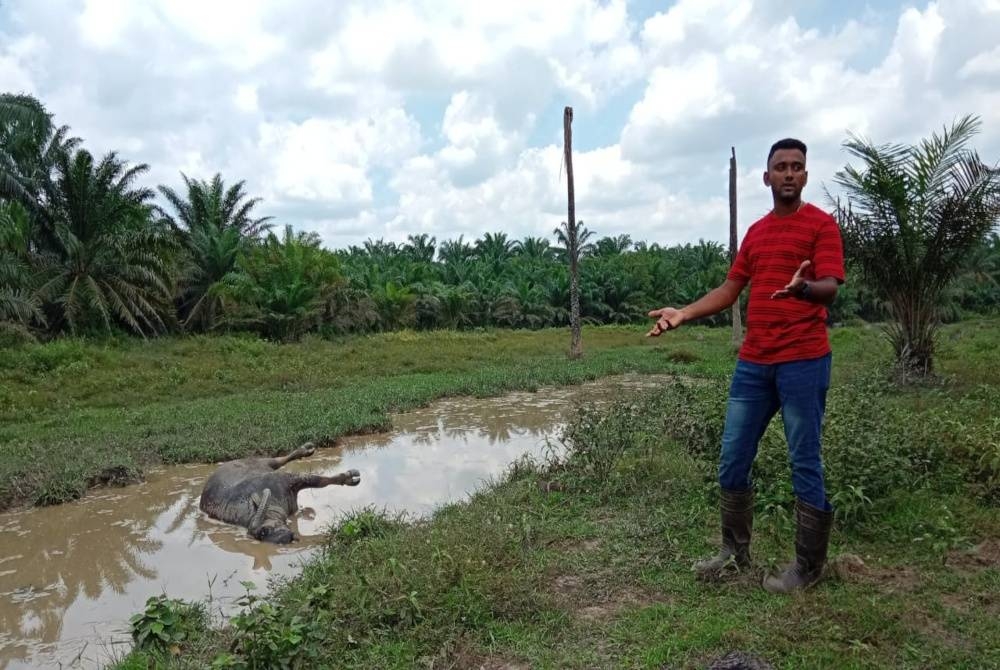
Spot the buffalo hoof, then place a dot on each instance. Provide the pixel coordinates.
(353, 478)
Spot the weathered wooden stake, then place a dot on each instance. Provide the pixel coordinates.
(733, 243)
(576, 344)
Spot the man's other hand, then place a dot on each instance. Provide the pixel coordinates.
(667, 318)
(794, 287)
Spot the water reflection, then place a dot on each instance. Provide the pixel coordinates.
(71, 575)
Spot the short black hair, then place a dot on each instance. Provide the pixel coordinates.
(787, 143)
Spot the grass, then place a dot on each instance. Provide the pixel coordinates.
(591, 577)
(586, 563)
(75, 414)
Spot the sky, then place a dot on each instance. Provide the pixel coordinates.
(380, 119)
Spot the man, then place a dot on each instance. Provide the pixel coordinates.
(793, 261)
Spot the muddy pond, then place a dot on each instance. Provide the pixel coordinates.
(71, 575)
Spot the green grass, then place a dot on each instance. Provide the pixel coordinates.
(595, 570)
(586, 578)
(74, 414)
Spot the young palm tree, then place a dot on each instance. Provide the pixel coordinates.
(456, 251)
(283, 285)
(583, 234)
(535, 248)
(105, 263)
(421, 248)
(213, 224)
(496, 248)
(613, 246)
(912, 214)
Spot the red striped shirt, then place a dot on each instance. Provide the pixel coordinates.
(773, 248)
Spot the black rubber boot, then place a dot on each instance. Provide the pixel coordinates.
(812, 537)
(737, 524)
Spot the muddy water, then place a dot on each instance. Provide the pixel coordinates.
(71, 575)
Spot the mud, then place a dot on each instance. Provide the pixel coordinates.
(71, 575)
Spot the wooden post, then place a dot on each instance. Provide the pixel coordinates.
(733, 243)
(576, 345)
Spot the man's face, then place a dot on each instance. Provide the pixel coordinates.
(786, 174)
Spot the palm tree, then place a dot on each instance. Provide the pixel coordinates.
(523, 305)
(455, 251)
(394, 304)
(582, 235)
(535, 248)
(913, 213)
(106, 261)
(495, 247)
(284, 285)
(210, 204)
(30, 146)
(380, 250)
(421, 248)
(977, 287)
(20, 306)
(613, 246)
(457, 305)
(214, 224)
(24, 124)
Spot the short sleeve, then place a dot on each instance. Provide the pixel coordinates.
(828, 255)
(740, 270)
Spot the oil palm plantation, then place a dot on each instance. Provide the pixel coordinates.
(913, 212)
(214, 225)
(104, 262)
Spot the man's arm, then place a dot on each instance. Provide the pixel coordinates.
(712, 302)
(821, 291)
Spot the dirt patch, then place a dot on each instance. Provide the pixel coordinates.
(593, 600)
(984, 555)
(616, 603)
(570, 546)
(568, 585)
(931, 627)
(491, 663)
(739, 660)
(479, 662)
(956, 601)
(983, 602)
(461, 654)
(852, 569)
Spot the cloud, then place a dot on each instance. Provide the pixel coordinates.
(382, 120)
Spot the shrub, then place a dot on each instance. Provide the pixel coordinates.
(166, 623)
(873, 444)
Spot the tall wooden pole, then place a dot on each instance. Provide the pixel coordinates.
(733, 242)
(576, 345)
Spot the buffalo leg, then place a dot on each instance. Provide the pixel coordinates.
(307, 449)
(349, 478)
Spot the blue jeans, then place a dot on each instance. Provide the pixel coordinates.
(798, 388)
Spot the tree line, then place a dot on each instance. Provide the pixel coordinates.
(86, 248)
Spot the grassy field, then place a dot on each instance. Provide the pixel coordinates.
(583, 563)
(76, 414)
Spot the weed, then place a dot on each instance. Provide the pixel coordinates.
(167, 623)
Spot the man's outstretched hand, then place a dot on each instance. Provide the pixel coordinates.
(794, 287)
(667, 318)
